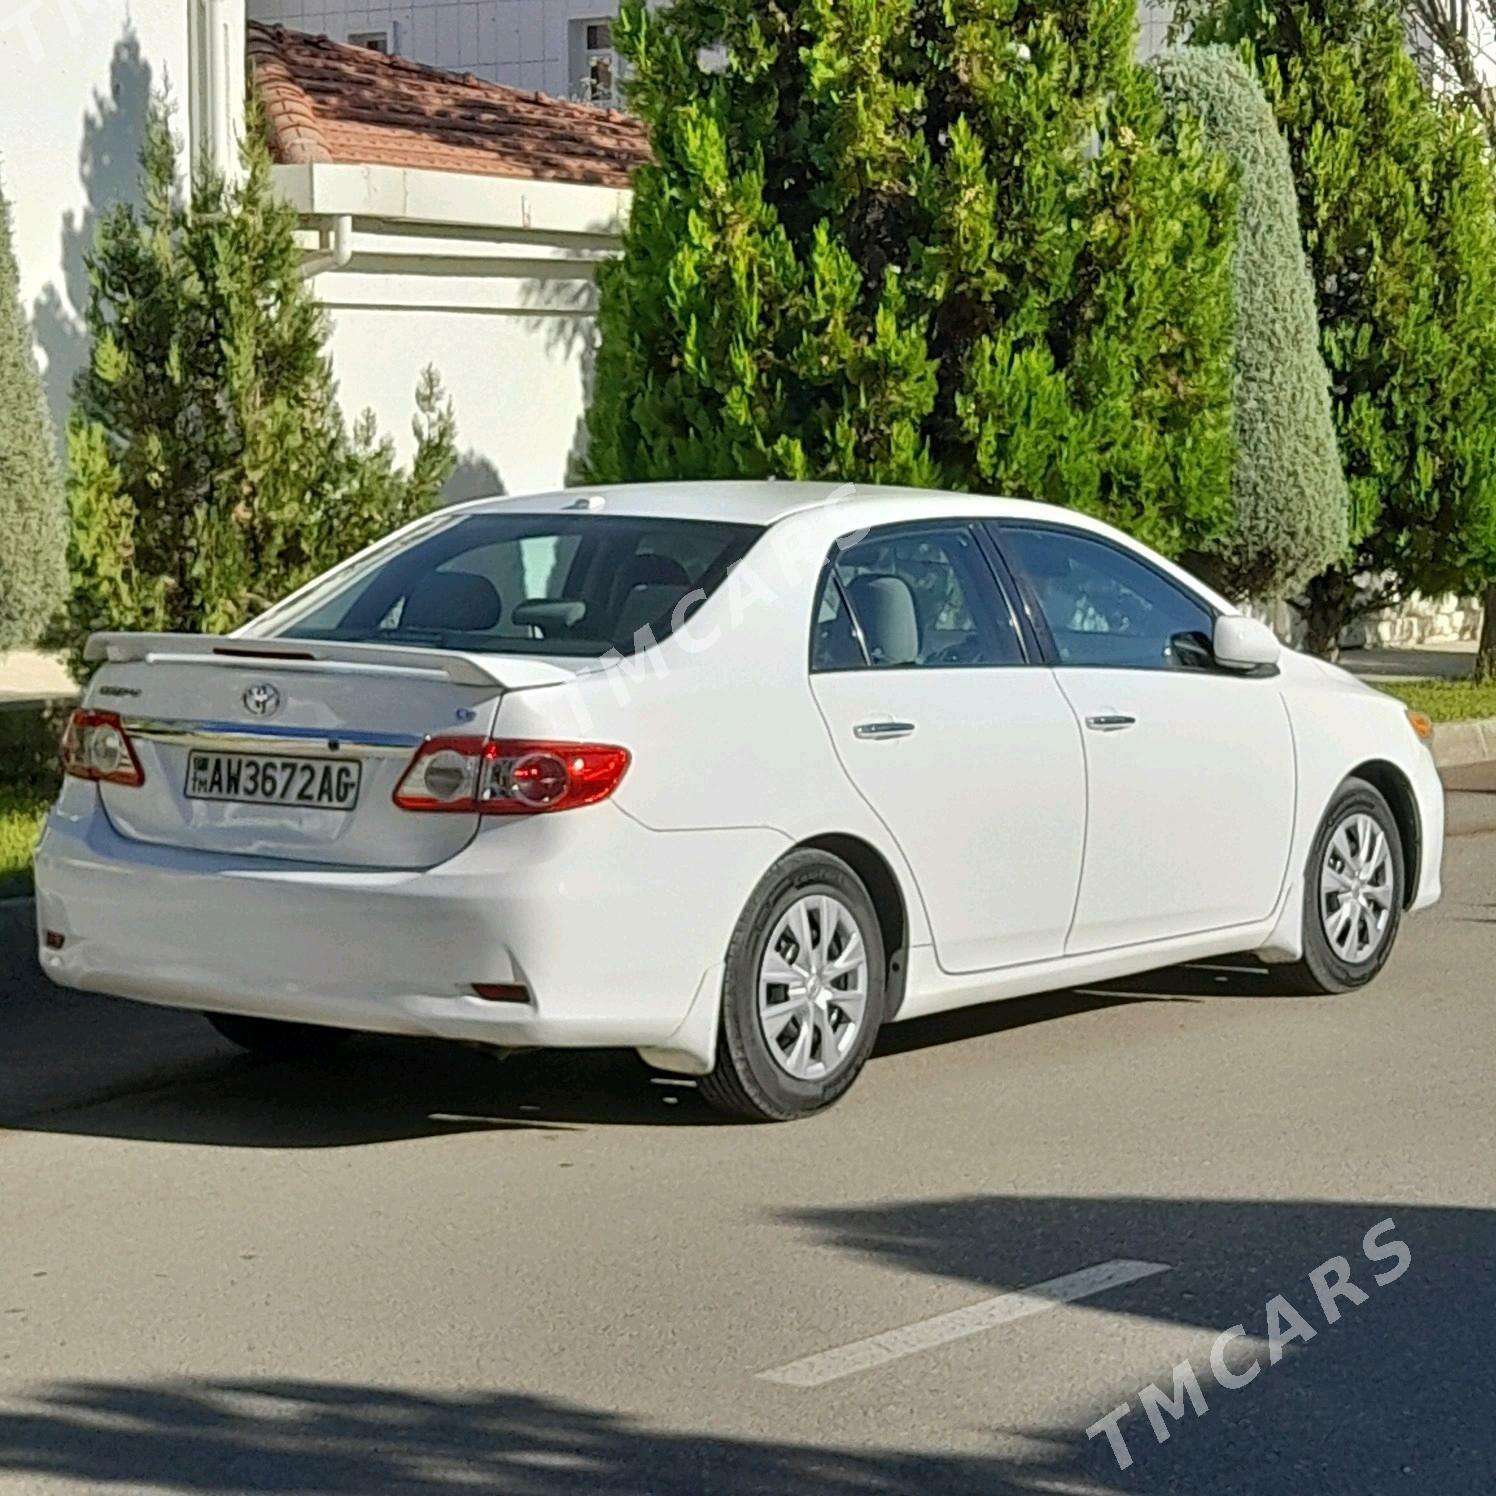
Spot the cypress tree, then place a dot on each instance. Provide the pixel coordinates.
(33, 529)
(1289, 500)
(210, 470)
(920, 241)
(1398, 207)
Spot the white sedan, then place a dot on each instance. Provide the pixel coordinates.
(731, 774)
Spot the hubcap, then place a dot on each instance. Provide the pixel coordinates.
(812, 987)
(1356, 889)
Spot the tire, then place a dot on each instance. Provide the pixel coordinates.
(1328, 967)
(271, 1039)
(749, 1079)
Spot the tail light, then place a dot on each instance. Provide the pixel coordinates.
(96, 746)
(503, 777)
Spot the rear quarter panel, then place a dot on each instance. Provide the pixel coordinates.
(721, 722)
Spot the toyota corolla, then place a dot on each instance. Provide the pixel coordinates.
(730, 774)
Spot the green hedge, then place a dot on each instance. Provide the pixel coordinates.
(952, 245)
(33, 522)
(29, 734)
(1288, 490)
(1397, 200)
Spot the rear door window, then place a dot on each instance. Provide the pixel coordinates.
(914, 596)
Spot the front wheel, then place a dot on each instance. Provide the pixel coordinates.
(271, 1039)
(1353, 894)
(802, 993)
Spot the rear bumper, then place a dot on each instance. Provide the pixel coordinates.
(616, 931)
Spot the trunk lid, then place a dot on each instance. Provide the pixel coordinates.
(219, 724)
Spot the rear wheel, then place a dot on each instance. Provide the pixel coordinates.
(273, 1040)
(802, 995)
(1353, 894)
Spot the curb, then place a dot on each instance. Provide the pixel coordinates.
(1459, 744)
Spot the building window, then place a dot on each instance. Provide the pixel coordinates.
(1153, 27)
(598, 82)
(374, 41)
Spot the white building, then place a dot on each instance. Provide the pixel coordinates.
(562, 47)
(1153, 26)
(455, 223)
(462, 224)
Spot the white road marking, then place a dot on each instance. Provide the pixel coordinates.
(926, 1334)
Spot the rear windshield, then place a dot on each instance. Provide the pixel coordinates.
(530, 584)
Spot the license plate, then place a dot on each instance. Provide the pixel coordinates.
(253, 779)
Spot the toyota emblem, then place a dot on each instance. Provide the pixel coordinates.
(262, 700)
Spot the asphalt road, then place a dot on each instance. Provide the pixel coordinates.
(416, 1270)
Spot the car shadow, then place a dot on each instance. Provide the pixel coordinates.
(1391, 1395)
(376, 1090)
(379, 1090)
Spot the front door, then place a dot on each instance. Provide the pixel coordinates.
(1191, 769)
(967, 751)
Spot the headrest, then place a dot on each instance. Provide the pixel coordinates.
(459, 601)
(890, 621)
(652, 571)
(645, 607)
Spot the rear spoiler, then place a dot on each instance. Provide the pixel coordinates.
(319, 657)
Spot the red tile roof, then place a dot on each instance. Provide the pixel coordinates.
(327, 102)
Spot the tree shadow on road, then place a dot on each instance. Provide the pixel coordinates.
(318, 1438)
(1392, 1398)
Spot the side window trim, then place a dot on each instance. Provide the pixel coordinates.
(1032, 630)
(996, 530)
(826, 581)
(852, 618)
(1033, 614)
(985, 548)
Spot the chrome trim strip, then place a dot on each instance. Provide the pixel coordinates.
(238, 736)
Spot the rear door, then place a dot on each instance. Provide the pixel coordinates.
(1191, 769)
(960, 742)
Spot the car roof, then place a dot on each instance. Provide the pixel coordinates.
(761, 503)
(858, 507)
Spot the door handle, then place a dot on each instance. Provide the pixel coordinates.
(1111, 722)
(880, 730)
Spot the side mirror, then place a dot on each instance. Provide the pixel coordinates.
(1244, 644)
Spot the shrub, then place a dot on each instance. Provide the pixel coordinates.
(1288, 492)
(1398, 206)
(901, 241)
(210, 470)
(33, 528)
